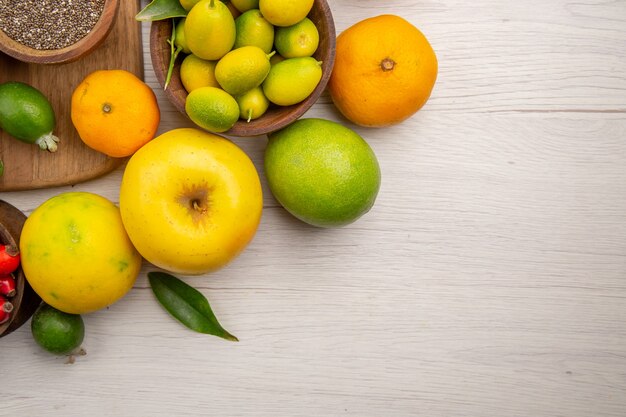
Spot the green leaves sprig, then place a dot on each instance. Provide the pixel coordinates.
(186, 304)
(161, 9)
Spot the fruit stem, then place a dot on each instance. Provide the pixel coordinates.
(7, 307)
(48, 142)
(271, 54)
(387, 64)
(249, 115)
(173, 55)
(170, 69)
(197, 207)
(11, 250)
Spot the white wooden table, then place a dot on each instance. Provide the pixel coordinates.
(488, 280)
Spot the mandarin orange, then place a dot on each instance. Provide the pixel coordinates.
(115, 112)
(384, 72)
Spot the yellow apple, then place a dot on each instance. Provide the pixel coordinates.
(190, 201)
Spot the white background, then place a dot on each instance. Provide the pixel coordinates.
(488, 279)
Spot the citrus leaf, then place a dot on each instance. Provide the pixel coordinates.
(186, 304)
(161, 9)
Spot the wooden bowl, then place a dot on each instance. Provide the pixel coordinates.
(25, 301)
(276, 117)
(70, 53)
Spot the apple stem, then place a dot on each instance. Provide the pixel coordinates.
(198, 207)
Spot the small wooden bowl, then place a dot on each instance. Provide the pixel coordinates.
(93, 39)
(25, 301)
(276, 117)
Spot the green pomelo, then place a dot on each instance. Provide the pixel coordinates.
(322, 172)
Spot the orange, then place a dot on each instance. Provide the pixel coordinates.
(384, 72)
(114, 112)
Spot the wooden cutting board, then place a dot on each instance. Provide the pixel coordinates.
(28, 167)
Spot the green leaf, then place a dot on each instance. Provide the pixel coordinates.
(161, 9)
(186, 304)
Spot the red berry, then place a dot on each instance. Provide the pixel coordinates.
(7, 285)
(5, 309)
(9, 259)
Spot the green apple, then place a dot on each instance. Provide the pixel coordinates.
(322, 172)
(190, 201)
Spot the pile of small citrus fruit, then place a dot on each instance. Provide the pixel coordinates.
(237, 67)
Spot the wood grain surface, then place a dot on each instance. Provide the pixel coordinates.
(488, 280)
(28, 167)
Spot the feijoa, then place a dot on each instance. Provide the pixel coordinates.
(27, 115)
(56, 331)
